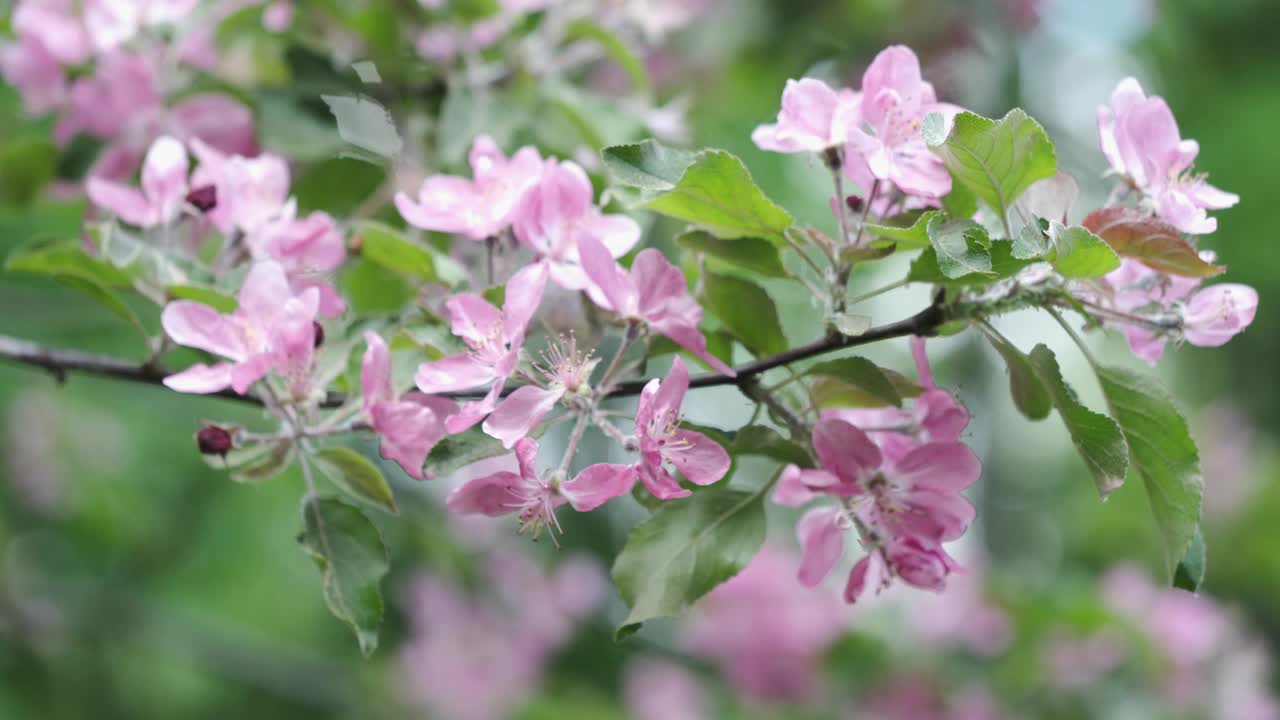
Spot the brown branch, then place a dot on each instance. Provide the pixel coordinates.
(63, 362)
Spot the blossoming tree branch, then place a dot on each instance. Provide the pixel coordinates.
(479, 363)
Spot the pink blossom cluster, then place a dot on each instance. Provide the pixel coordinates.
(893, 476)
(121, 99)
(791, 629)
(480, 657)
(875, 130)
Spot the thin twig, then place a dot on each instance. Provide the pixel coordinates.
(62, 362)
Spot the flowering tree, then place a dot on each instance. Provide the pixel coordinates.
(515, 308)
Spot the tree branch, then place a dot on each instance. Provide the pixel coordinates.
(61, 363)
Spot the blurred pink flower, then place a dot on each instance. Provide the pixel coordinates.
(164, 188)
(766, 633)
(662, 690)
(662, 440)
(1218, 313)
(813, 118)
(481, 207)
(251, 192)
(307, 248)
(1140, 139)
(409, 424)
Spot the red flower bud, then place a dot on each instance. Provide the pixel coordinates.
(214, 440)
(854, 202)
(203, 198)
(318, 329)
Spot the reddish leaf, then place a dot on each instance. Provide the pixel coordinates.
(1150, 240)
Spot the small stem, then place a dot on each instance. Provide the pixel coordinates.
(799, 250)
(574, 439)
(607, 380)
(878, 291)
(609, 429)
(844, 269)
(1088, 354)
(490, 248)
(796, 426)
(835, 161)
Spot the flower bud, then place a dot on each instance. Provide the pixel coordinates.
(318, 331)
(214, 440)
(855, 203)
(204, 198)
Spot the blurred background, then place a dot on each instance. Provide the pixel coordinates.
(137, 581)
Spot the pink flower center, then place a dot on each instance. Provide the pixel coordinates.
(535, 505)
(492, 347)
(562, 364)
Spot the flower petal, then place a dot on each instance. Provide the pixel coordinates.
(698, 457)
(199, 326)
(201, 379)
(597, 484)
(375, 371)
(846, 451)
(942, 467)
(164, 178)
(519, 412)
(409, 430)
(822, 538)
(450, 374)
(491, 495)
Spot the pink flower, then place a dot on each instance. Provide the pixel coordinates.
(56, 25)
(251, 191)
(557, 211)
(493, 337)
(887, 138)
(271, 330)
(164, 188)
(814, 117)
(534, 497)
(120, 94)
(306, 248)
(36, 74)
(662, 440)
(1217, 313)
(567, 372)
(481, 207)
(663, 690)
(767, 635)
(1140, 139)
(903, 507)
(1154, 307)
(652, 292)
(410, 424)
(218, 121)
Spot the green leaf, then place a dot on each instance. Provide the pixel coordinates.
(1029, 392)
(1078, 253)
(352, 556)
(266, 466)
(390, 248)
(747, 311)
(615, 48)
(1161, 450)
(684, 550)
(109, 299)
(862, 374)
(27, 164)
(997, 160)
(1031, 241)
(1003, 265)
(65, 258)
(711, 189)
(1154, 242)
(1097, 437)
(907, 237)
(458, 451)
(961, 246)
(755, 254)
(759, 440)
(1190, 571)
(204, 295)
(287, 128)
(356, 476)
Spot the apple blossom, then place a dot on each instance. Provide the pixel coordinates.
(534, 497)
(566, 371)
(493, 337)
(813, 118)
(1140, 139)
(271, 330)
(481, 207)
(409, 424)
(653, 292)
(164, 188)
(662, 440)
(307, 248)
(557, 211)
